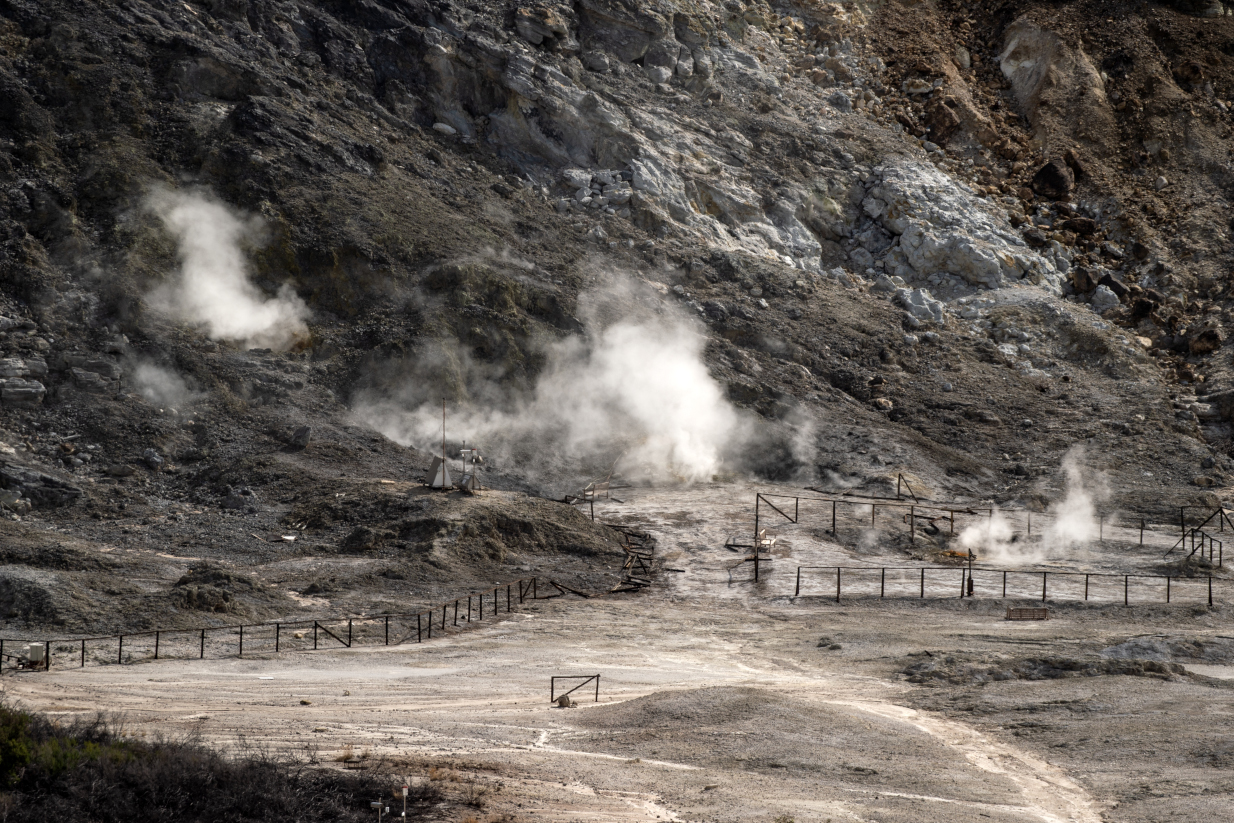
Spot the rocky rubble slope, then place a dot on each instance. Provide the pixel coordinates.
(924, 237)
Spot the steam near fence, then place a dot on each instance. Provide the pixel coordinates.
(628, 385)
(213, 288)
(1070, 524)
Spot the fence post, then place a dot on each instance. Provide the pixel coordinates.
(202, 656)
(963, 574)
(156, 645)
(430, 624)
(120, 654)
(1126, 586)
(47, 656)
(833, 518)
(1004, 585)
(873, 508)
(1086, 587)
(797, 591)
(1210, 590)
(314, 635)
(923, 582)
(443, 617)
(387, 630)
(278, 629)
(1030, 524)
(481, 608)
(912, 522)
(1141, 531)
(597, 688)
(349, 632)
(882, 582)
(419, 639)
(837, 584)
(83, 651)
(1043, 578)
(534, 596)
(456, 612)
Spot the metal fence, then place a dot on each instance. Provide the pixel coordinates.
(978, 581)
(284, 635)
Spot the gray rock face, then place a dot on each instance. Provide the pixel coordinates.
(20, 393)
(1104, 299)
(921, 305)
(941, 227)
(41, 489)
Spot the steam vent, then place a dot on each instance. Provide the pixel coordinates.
(706, 411)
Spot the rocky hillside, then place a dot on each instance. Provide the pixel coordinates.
(813, 240)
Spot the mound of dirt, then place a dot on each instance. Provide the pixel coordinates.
(963, 670)
(211, 589)
(1165, 649)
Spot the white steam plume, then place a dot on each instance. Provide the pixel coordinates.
(213, 287)
(637, 387)
(160, 386)
(1071, 523)
(1075, 521)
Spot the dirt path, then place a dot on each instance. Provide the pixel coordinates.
(718, 701)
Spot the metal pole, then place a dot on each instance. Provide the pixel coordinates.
(419, 639)
(1043, 577)
(757, 497)
(534, 596)
(456, 612)
(314, 635)
(120, 654)
(83, 652)
(1030, 524)
(1126, 586)
(278, 630)
(430, 624)
(1167, 588)
(1210, 590)
(47, 656)
(837, 584)
(481, 607)
(387, 630)
(882, 581)
(203, 644)
(443, 613)
(597, 688)
(873, 508)
(963, 573)
(156, 645)
(952, 518)
(349, 632)
(1085, 587)
(912, 517)
(1004, 585)
(833, 518)
(797, 592)
(923, 582)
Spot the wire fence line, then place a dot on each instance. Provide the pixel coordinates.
(983, 581)
(275, 636)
